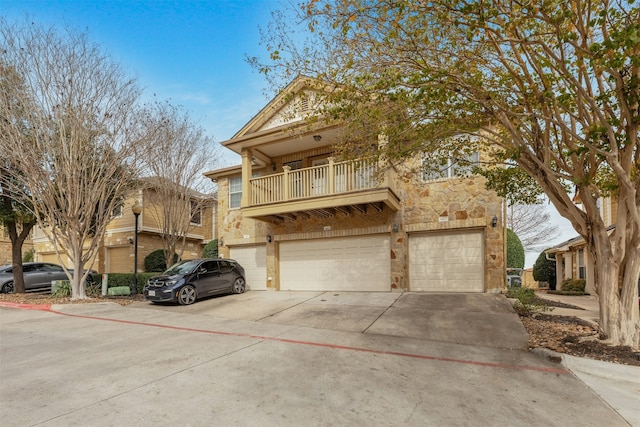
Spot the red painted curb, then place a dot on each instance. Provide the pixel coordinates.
(25, 306)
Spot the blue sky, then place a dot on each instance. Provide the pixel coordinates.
(192, 52)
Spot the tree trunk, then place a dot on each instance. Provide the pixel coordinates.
(618, 300)
(17, 241)
(77, 285)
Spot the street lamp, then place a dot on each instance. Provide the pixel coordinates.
(137, 210)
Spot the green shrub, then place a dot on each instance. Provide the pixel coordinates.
(515, 250)
(155, 261)
(62, 289)
(573, 285)
(210, 249)
(27, 256)
(526, 300)
(544, 270)
(126, 279)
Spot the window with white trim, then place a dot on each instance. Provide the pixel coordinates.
(235, 192)
(451, 169)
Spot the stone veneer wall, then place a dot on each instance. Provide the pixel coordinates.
(454, 204)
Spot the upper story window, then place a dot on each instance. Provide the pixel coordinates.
(117, 212)
(452, 168)
(196, 212)
(235, 192)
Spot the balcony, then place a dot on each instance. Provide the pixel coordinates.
(320, 191)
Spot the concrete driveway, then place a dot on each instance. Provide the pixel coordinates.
(473, 319)
(264, 359)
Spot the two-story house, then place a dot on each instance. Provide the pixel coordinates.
(116, 253)
(297, 218)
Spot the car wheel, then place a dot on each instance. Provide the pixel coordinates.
(238, 286)
(187, 295)
(7, 288)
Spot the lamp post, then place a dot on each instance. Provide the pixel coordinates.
(137, 210)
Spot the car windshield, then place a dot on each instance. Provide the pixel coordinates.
(184, 267)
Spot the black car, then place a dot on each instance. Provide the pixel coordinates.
(187, 281)
(37, 276)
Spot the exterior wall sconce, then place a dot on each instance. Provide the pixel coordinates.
(221, 242)
(396, 228)
(317, 138)
(273, 166)
(268, 238)
(494, 221)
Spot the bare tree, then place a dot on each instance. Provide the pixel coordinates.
(77, 165)
(532, 225)
(179, 154)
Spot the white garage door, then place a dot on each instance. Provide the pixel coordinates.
(254, 261)
(338, 264)
(446, 262)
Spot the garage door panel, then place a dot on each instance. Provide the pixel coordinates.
(254, 261)
(451, 262)
(339, 264)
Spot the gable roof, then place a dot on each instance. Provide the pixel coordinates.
(271, 110)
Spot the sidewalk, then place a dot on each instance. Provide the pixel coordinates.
(616, 384)
(589, 304)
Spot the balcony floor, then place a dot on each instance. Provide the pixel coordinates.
(372, 200)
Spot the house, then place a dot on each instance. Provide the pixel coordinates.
(573, 260)
(116, 253)
(298, 218)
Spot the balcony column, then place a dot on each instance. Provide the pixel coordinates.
(285, 183)
(382, 177)
(247, 173)
(332, 176)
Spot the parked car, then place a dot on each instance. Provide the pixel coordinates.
(187, 281)
(37, 276)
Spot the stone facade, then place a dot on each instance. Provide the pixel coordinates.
(437, 206)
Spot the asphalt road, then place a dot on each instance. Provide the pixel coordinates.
(144, 365)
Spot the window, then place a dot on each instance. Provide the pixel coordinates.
(117, 212)
(196, 212)
(582, 270)
(451, 168)
(235, 192)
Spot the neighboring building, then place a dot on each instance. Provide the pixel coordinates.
(572, 257)
(527, 279)
(297, 218)
(5, 247)
(116, 254)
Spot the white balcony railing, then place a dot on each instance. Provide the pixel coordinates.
(332, 178)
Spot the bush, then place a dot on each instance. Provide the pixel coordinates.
(526, 300)
(544, 270)
(27, 256)
(155, 261)
(126, 279)
(573, 285)
(63, 289)
(211, 249)
(515, 250)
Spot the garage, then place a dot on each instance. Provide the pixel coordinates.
(120, 260)
(254, 261)
(339, 264)
(446, 262)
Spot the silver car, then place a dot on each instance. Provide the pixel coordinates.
(37, 276)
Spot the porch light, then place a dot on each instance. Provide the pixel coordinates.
(317, 138)
(494, 221)
(396, 228)
(269, 238)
